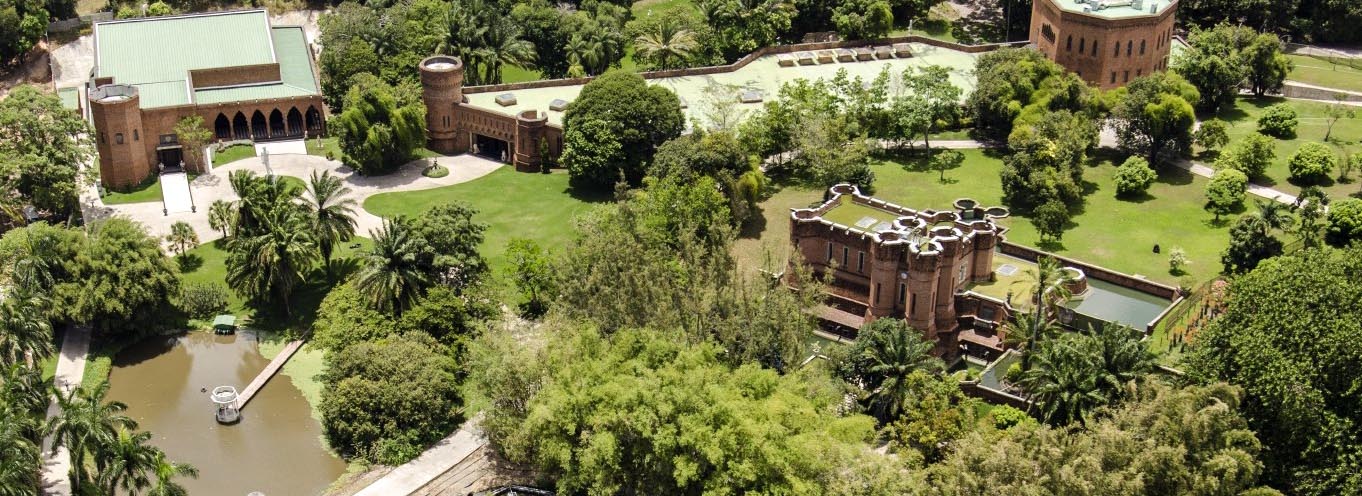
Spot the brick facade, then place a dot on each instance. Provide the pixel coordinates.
(1105, 51)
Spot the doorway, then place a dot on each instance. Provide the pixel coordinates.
(492, 148)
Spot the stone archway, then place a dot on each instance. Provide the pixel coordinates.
(277, 129)
(295, 122)
(259, 127)
(314, 120)
(240, 129)
(222, 127)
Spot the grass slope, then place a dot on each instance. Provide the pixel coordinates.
(232, 154)
(149, 191)
(1243, 120)
(1115, 233)
(512, 204)
(1322, 72)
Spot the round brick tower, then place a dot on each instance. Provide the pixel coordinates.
(442, 92)
(117, 117)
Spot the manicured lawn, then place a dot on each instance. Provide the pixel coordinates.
(232, 154)
(1323, 72)
(146, 192)
(1115, 233)
(207, 264)
(643, 8)
(331, 145)
(512, 204)
(517, 74)
(1243, 120)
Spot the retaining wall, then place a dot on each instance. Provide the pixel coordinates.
(1124, 280)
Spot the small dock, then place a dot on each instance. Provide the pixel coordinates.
(268, 373)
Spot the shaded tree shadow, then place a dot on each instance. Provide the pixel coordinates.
(1051, 245)
(1323, 182)
(1174, 176)
(1140, 197)
(189, 262)
(755, 225)
(590, 195)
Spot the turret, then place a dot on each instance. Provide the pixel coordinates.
(117, 115)
(442, 92)
(529, 130)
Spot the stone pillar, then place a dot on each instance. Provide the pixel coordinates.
(115, 110)
(442, 92)
(529, 129)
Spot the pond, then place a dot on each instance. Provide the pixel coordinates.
(277, 447)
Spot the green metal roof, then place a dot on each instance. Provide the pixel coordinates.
(156, 55)
(1116, 9)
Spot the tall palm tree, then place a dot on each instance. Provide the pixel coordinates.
(221, 216)
(259, 197)
(33, 269)
(22, 387)
(21, 457)
(1049, 289)
(893, 352)
(1274, 215)
(1122, 358)
(166, 471)
(86, 423)
(25, 333)
(392, 274)
(585, 54)
(275, 261)
(504, 46)
(333, 212)
(1063, 382)
(670, 46)
(126, 462)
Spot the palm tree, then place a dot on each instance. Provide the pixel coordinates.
(584, 54)
(259, 197)
(892, 352)
(669, 47)
(272, 263)
(221, 216)
(33, 268)
(25, 333)
(504, 46)
(1063, 383)
(1122, 357)
(87, 423)
(22, 459)
(24, 389)
(1274, 215)
(333, 213)
(1049, 288)
(166, 471)
(392, 274)
(126, 462)
(182, 237)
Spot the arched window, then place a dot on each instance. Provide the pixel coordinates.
(1142, 47)
(222, 127)
(1117, 53)
(1082, 45)
(1069, 46)
(1094, 48)
(1130, 47)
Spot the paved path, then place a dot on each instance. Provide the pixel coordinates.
(290, 147)
(175, 193)
(70, 370)
(268, 373)
(437, 460)
(213, 186)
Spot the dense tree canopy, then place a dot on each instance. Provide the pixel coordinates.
(1226, 57)
(22, 24)
(1154, 117)
(1305, 21)
(1013, 82)
(42, 148)
(1344, 222)
(1289, 338)
(378, 130)
(640, 116)
(711, 428)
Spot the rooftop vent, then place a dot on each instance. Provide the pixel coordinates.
(558, 105)
(750, 96)
(1154, 8)
(506, 99)
(785, 60)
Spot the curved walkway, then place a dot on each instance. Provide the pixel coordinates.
(214, 186)
(70, 371)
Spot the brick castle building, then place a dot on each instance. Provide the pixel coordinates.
(1106, 42)
(246, 78)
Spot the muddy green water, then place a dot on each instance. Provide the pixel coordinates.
(276, 448)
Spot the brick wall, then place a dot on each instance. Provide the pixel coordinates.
(229, 76)
(1094, 272)
(1144, 42)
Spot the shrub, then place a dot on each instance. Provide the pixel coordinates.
(1013, 373)
(1345, 222)
(435, 171)
(1278, 120)
(1177, 259)
(1134, 177)
(1005, 417)
(1312, 163)
(1251, 156)
(202, 301)
(1212, 135)
(1225, 191)
(1049, 219)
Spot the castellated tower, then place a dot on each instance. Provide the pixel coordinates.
(442, 92)
(529, 130)
(122, 155)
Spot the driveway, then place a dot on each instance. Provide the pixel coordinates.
(214, 186)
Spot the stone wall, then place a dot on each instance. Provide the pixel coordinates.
(1292, 90)
(1095, 272)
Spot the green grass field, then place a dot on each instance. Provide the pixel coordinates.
(232, 154)
(146, 192)
(1119, 234)
(328, 145)
(1243, 120)
(1323, 72)
(517, 74)
(512, 204)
